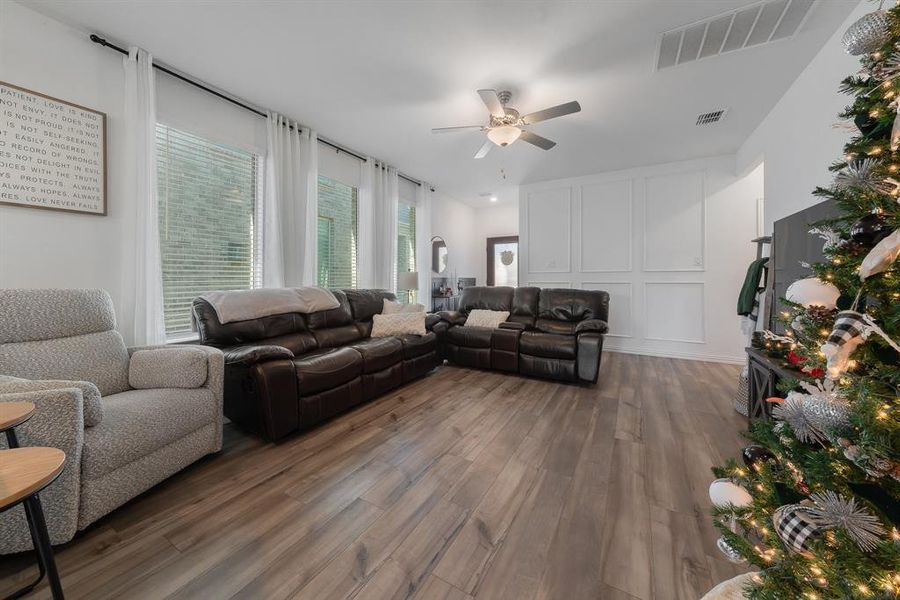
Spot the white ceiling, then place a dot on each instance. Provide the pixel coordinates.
(376, 76)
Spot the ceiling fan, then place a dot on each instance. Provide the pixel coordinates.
(506, 126)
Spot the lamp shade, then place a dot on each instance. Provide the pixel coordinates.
(504, 135)
(408, 280)
(813, 292)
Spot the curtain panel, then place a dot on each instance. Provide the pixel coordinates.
(423, 242)
(143, 298)
(378, 200)
(290, 204)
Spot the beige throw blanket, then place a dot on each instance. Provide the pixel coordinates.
(243, 305)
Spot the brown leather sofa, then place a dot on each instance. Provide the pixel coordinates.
(289, 372)
(550, 333)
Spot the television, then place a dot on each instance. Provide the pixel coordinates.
(793, 245)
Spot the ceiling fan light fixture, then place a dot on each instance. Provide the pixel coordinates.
(504, 135)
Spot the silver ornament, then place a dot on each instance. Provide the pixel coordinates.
(831, 510)
(867, 34)
(859, 174)
(826, 414)
(791, 412)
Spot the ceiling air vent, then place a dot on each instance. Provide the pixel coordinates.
(714, 116)
(745, 27)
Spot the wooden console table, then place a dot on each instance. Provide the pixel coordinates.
(765, 373)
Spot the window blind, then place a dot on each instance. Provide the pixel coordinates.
(337, 231)
(209, 206)
(406, 243)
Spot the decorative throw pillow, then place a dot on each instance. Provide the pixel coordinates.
(398, 324)
(393, 308)
(486, 318)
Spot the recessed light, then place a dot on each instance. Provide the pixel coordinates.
(493, 198)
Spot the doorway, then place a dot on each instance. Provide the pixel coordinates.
(503, 260)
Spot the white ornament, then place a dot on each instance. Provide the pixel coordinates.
(812, 291)
(881, 257)
(724, 493)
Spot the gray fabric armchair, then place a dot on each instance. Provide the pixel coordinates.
(127, 418)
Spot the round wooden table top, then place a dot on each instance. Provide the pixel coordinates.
(25, 471)
(14, 413)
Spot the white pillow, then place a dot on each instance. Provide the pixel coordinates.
(393, 308)
(486, 318)
(408, 323)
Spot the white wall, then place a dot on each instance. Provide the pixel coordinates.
(42, 248)
(670, 243)
(497, 220)
(798, 140)
(455, 222)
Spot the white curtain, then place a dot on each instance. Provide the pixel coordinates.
(378, 200)
(144, 301)
(290, 205)
(423, 243)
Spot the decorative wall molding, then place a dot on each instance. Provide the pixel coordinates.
(687, 183)
(545, 221)
(674, 313)
(625, 225)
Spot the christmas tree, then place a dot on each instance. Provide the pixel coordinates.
(814, 501)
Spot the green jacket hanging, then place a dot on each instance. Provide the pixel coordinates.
(751, 287)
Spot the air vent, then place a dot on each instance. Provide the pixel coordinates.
(714, 116)
(753, 25)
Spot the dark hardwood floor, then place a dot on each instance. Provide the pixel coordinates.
(465, 484)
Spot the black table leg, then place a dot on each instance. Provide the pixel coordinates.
(11, 439)
(41, 539)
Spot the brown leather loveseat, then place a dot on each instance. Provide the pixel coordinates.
(550, 333)
(291, 371)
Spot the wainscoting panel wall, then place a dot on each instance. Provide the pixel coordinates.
(670, 243)
(550, 217)
(606, 216)
(673, 222)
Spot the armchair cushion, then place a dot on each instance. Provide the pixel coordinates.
(592, 325)
(100, 358)
(137, 423)
(250, 355)
(93, 408)
(172, 367)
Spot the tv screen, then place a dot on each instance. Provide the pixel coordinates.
(793, 245)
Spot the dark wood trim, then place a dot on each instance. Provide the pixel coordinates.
(104, 154)
(489, 248)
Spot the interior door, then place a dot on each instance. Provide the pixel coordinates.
(503, 260)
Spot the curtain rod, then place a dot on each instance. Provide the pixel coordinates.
(99, 40)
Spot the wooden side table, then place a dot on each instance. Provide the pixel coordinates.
(24, 473)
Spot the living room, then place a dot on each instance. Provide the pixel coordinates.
(437, 299)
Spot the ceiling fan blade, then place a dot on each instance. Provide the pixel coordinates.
(551, 113)
(492, 101)
(533, 138)
(452, 129)
(488, 144)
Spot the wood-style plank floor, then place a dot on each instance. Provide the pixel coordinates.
(464, 484)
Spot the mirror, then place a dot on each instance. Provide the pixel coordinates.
(438, 255)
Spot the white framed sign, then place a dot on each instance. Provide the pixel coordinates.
(52, 153)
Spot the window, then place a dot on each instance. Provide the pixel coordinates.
(209, 205)
(406, 247)
(338, 231)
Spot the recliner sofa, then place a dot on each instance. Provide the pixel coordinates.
(289, 372)
(550, 333)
